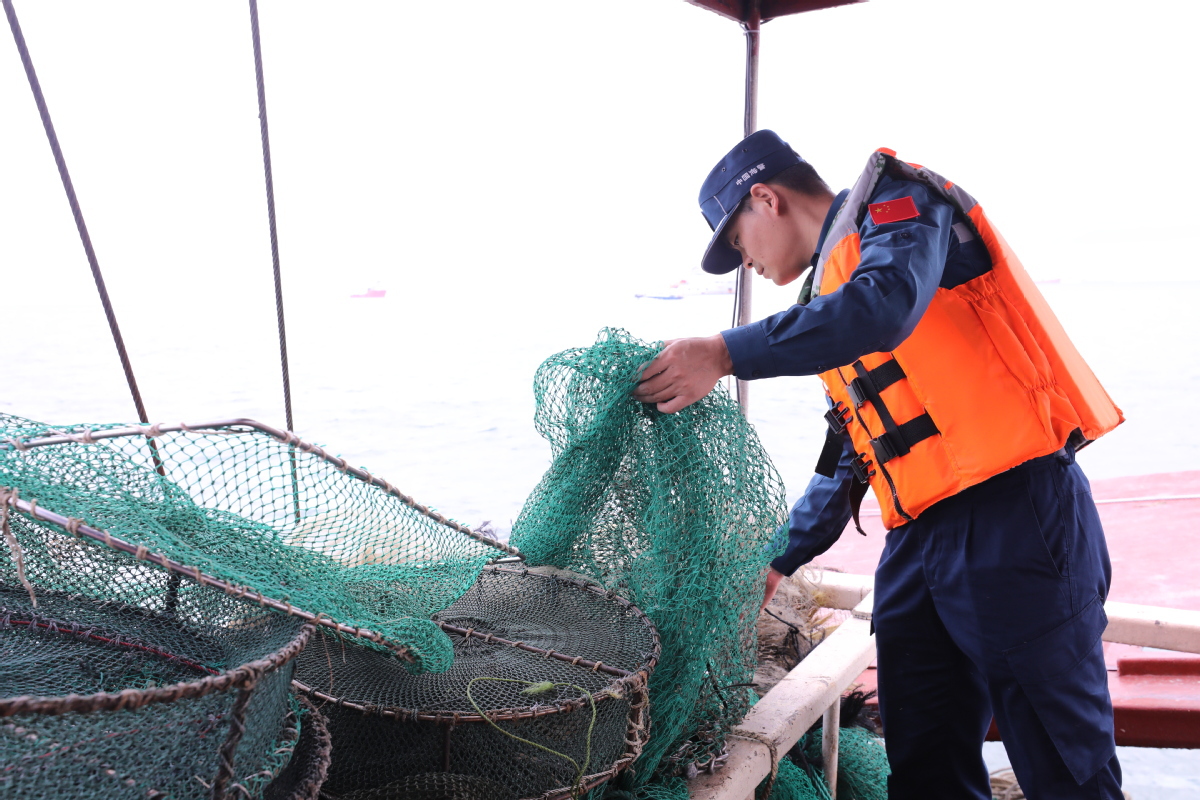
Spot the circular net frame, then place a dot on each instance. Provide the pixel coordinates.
(305, 772)
(100, 698)
(244, 508)
(678, 513)
(536, 652)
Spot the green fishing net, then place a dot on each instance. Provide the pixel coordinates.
(265, 515)
(675, 512)
(100, 698)
(862, 773)
(862, 769)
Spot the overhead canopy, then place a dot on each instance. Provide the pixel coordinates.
(741, 10)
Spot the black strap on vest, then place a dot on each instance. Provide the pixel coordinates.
(858, 490)
(896, 440)
(880, 378)
(831, 454)
(837, 418)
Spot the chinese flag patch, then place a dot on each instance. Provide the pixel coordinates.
(893, 210)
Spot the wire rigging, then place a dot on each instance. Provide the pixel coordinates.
(76, 211)
(270, 183)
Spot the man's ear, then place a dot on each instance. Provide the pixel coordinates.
(768, 199)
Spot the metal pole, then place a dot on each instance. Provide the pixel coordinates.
(742, 294)
(270, 184)
(77, 213)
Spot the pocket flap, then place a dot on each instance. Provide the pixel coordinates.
(1062, 673)
(1057, 652)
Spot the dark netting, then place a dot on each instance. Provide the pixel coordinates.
(305, 772)
(557, 664)
(244, 508)
(675, 512)
(862, 763)
(432, 786)
(104, 698)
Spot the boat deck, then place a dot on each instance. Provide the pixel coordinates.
(1155, 561)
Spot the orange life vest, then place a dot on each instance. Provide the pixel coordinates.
(987, 380)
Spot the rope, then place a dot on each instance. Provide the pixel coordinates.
(1005, 786)
(540, 687)
(270, 183)
(18, 555)
(771, 748)
(76, 211)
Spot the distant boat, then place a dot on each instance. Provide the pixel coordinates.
(372, 293)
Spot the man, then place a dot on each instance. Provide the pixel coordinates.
(956, 396)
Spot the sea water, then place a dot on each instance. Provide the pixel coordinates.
(431, 386)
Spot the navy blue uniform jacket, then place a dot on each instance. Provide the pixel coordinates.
(902, 265)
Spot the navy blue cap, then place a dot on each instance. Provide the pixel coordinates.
(756, 159)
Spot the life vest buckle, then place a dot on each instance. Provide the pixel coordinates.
(838, 417)
(885, 447)
(861, 466)
(855, 389)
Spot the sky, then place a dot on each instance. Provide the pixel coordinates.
(512, 174)
(570, 139)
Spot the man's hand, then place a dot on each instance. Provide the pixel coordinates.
(774, 576)
(685, 371)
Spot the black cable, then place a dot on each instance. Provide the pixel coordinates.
(76, 211)
(793, 637)
(266, 148)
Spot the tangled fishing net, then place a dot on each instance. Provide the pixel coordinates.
(862, 765)
(122, 512)
(675, 512)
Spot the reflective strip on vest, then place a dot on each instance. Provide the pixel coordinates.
(989, 377)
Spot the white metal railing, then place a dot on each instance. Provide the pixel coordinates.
(814, 688)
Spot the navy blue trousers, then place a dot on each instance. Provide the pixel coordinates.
(991, 603)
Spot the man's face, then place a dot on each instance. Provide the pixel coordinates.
(768, 241)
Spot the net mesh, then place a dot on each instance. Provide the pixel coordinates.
(862, 773)
(432, 786)
(149, 561)
(253, 508)
(103, 698)
(308, 764)
(675, 512)
(565, 706)
(862, 768)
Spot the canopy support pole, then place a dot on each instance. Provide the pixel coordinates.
(270, 184)
(742, 293)
(77, 212)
